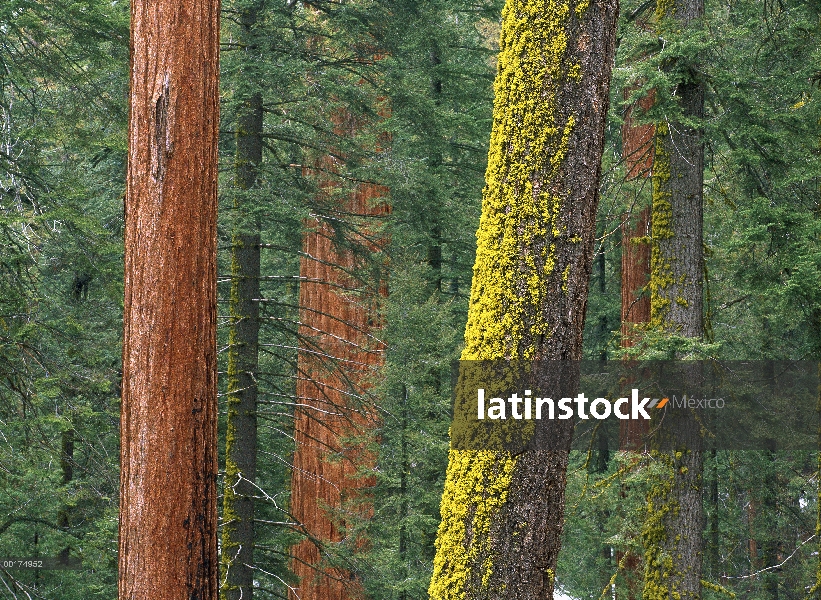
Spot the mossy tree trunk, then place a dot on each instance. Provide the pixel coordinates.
(237, 555)
(502, 517)
(672, 532)
(168, 495)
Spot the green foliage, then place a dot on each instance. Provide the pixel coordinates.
(62, 159)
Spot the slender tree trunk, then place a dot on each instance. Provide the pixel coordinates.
(673, 527)
(637, 144)
(339, 356)
(637, 150)
(502, 517)
(67, 467)
(237, 554)
(168, 512)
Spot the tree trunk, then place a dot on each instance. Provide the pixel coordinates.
(168, 516)
(502, 517)
(637, 144)
(237, 553)
(67, 468)
(672, 530)
(637, 150)
(339, 356)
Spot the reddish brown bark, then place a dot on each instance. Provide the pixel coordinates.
(637, 149)
(168, 516)
(635, 269)
(637, 140)
(338, 359)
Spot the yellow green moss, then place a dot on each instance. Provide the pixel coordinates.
(662, 544)
(717, 588)
(661, 269)
(229, 515)
(476, 487)
(515, 256)
(665, 8)
(520, 216)
(658, 564)
(582, 7)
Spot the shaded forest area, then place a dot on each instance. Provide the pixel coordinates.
(356, 138)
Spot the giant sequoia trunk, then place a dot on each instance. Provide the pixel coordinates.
(237, 553)
(637, 150)
(672, 531)
(338, 359)
(168, 512)
(502, 516)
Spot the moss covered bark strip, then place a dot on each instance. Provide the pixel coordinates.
(502, 516)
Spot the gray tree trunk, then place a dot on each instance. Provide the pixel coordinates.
(502, 516)
(673, 528)
(237, 578)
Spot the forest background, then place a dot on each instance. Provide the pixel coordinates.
(363, 126)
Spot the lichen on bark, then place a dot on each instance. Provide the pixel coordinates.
(502, 516)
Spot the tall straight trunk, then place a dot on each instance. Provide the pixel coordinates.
(237, 554)
(338, 359)
(168, 499)
(673, 527)
(637, 150)
(502, 516)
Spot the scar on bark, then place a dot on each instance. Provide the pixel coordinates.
(161, 148)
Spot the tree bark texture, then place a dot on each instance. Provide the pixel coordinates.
(237, 552)
(502, 517)
(676, 284)
(168, 516)
(672, 532)
(339, 356)
(637, 150)
(635, 273)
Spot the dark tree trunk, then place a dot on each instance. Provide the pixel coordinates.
(67, 467)
(672, 531)
(237, 579)
(502, 517)
(168, 512)
(678, 180)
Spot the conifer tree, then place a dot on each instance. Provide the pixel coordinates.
(502, 516)
(168, 512)
(340, 351)
(237, 551)
(672, 532)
